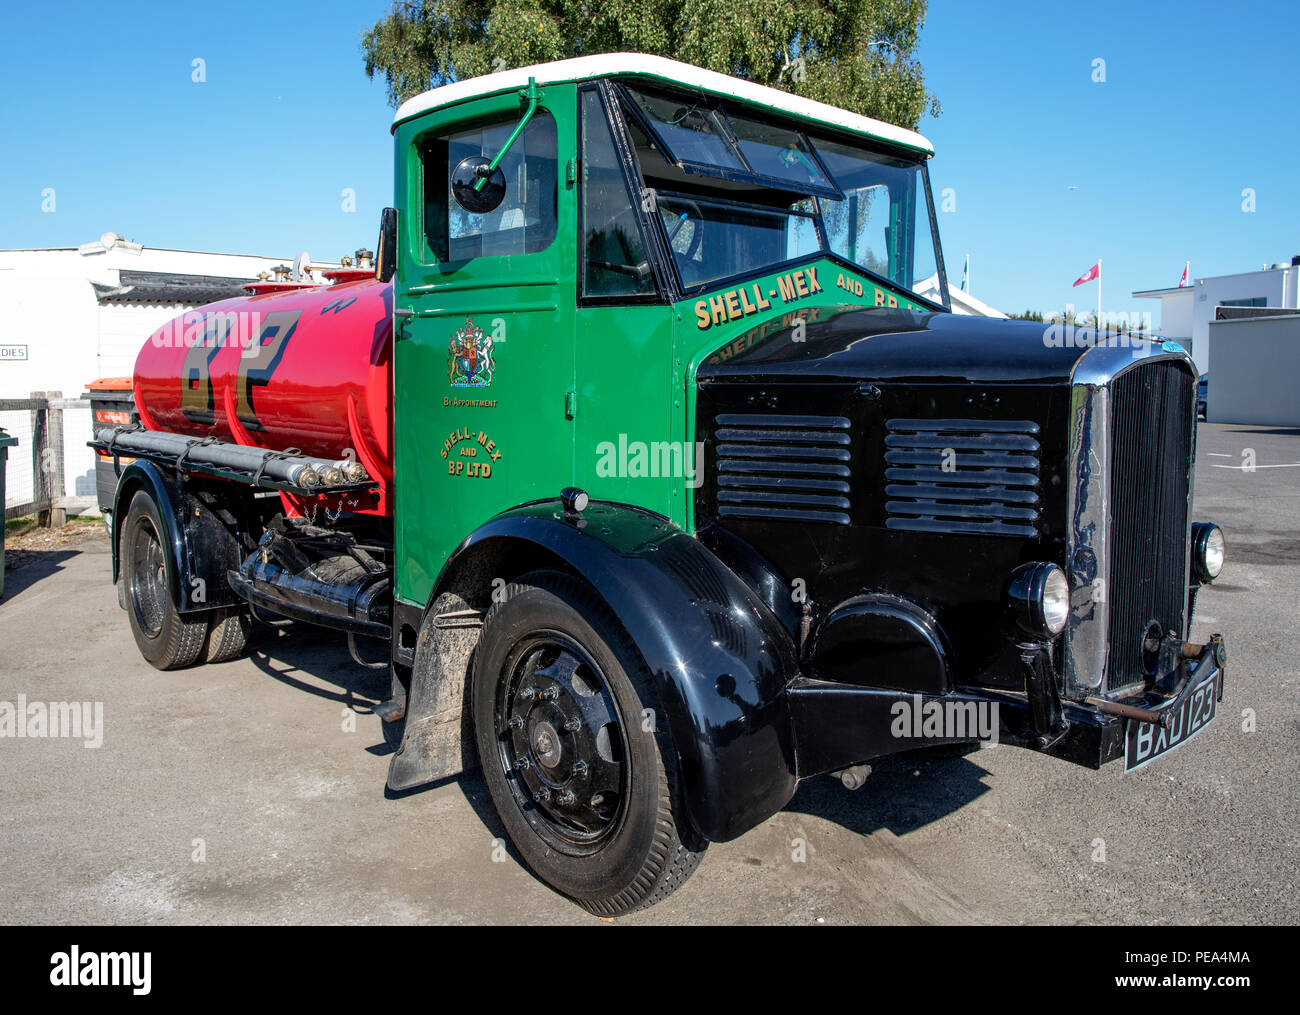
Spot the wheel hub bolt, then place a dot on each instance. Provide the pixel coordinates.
(565, 799)
(522, 763)
(551, 693)
(527, 693)
(542, 795)
(515, 722)
(573, 725)
(579, 767)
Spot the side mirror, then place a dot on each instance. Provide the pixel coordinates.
(386, 261)
(478, 184)
(474, 198)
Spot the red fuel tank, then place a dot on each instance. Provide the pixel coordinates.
(307, 368)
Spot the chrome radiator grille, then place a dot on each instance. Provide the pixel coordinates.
(1132, 431)
(1150, 444)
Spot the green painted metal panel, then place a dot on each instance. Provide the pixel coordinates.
(601, 397)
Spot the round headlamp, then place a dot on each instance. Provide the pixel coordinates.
(1038, 596)
(1207, 551)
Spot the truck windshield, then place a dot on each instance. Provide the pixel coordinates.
(738, 194)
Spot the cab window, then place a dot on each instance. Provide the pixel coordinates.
(614, 254)
(524, 222)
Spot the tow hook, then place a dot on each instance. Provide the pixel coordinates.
(853, 777)
(1218, 656)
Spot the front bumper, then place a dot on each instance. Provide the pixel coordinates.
(1097, 727)
(838, 725)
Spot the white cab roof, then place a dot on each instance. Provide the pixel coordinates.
(585, 68)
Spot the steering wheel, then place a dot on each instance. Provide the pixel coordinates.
(684, 229)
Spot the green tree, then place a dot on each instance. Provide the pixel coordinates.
(856, 54)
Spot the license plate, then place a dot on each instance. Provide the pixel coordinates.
(1144, 742)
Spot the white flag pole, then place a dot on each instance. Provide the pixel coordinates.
(1099, 295)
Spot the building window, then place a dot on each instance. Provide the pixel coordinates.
(1258, 301)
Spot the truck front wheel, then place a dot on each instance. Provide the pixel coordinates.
(576, 757)
(167, 638)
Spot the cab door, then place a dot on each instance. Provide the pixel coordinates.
(484, 359)
(630, 401)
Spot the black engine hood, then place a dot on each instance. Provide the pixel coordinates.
(855, 343)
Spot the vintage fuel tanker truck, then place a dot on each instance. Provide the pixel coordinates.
(653, 464)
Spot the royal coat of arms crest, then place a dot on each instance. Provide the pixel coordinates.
(469, 357)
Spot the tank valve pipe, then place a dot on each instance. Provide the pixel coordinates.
(353, 470)
(330, 475)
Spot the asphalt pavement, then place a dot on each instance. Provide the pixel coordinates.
(253, 791)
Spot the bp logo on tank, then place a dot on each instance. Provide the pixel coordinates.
(469, 357)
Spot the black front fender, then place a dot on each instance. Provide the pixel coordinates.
(720, 659)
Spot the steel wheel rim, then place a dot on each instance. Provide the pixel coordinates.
(148, 579)
(562, 744)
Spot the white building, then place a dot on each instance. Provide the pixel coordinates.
(72, 315)
(962, 301)
(1186, 312)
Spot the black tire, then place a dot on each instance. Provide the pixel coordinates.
(551, 631)
(227, 634)
(166, 638)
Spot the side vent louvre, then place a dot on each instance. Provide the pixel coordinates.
(791, 468)
(967, 476)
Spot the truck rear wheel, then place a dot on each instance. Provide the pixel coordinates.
(228, 634)
(167, 638)
(583, 777)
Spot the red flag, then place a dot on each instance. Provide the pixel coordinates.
(1089, 275)
(1183, 281)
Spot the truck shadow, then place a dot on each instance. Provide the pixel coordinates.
(903, 793)
(303, 656)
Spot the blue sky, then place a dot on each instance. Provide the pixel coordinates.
(1199, 103)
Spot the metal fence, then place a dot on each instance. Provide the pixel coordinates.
(35, 481)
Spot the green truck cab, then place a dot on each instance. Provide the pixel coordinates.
(699, 489)
(650, 213)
